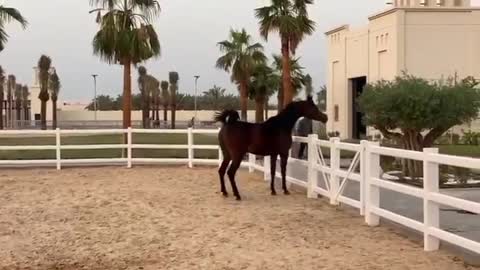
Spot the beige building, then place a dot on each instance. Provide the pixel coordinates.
(432, 39)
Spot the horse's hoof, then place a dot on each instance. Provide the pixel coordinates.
(225, 194)
(239, 198)
(274, 193)
(286, 192)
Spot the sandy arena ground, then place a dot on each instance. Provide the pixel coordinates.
(174, 218)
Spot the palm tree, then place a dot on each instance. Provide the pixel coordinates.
(165, 100)
(152, 86)
(25, 97)
(7, 15)
(11, 83)
(297, 77)
(290, 19)
(215, 94)
(240, 58)
(142, 74)
(262, 84)
(18, 103)
(173, 79)
(44, 65)
(2, 98)
(126, 37)
(54, 87)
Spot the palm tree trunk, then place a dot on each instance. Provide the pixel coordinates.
(174, 109)
(43, 114)
(127, 94)
(9, 110)
(286, 76)
(1, 109)
(54, 114)
(243, 99)
(19, 112)
(165, 112)
(266, 108)
(280, 100)
(259, 109)
(145, 111)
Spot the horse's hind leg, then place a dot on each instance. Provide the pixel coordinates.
(273, 172)
(283, 165)
(221, 172)
(231, 174)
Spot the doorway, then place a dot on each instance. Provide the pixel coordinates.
(359, 130)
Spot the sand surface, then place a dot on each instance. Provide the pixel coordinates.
(175, 218)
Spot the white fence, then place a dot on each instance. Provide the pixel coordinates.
(323, 178)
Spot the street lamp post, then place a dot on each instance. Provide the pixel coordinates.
(95, 95)
(196, 81)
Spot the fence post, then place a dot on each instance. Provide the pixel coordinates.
(190, 147)
(431, 210)
(363, 175)
(58, 145)
(334, 167)
(266, 168)
(312, 162)
(251, 162)
(372, 193)
(129, 147)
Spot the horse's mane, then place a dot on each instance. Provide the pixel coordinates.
(286, 118)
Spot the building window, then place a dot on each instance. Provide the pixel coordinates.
(458, 3)
(335, 113)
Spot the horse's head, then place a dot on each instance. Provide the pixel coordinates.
(308, 109)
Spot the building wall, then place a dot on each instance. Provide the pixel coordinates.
(431, 42)
(440, 44)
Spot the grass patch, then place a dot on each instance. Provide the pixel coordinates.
(199, 139)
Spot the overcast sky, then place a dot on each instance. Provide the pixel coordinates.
(188, 31)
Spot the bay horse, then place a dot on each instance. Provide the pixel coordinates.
(271, 138)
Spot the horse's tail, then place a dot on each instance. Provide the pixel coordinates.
(227, 117)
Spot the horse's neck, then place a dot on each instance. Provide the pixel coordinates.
(286, 120)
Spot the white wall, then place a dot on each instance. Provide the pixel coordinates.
(137, 115)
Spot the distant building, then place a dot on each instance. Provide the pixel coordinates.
(433, 39)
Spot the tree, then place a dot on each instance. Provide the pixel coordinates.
(18, 103)
(290, 19)
(240, 58)
(44, 65)
(2, 98)
(297, 77)
(415, 112)
(152, 87)
(11, 83)
(104, 103)
(54, 87)
(142, 74)
(26, 104)
(165, 100)
(7, 15)
(173, 79)
(213, 95)
(126, 37)
(322, 98)
(262, 84)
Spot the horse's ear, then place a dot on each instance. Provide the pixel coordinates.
(309, 98)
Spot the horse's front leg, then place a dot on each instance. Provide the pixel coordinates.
(283, 164)
(273, 169)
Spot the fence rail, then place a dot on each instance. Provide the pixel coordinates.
(364, 169)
